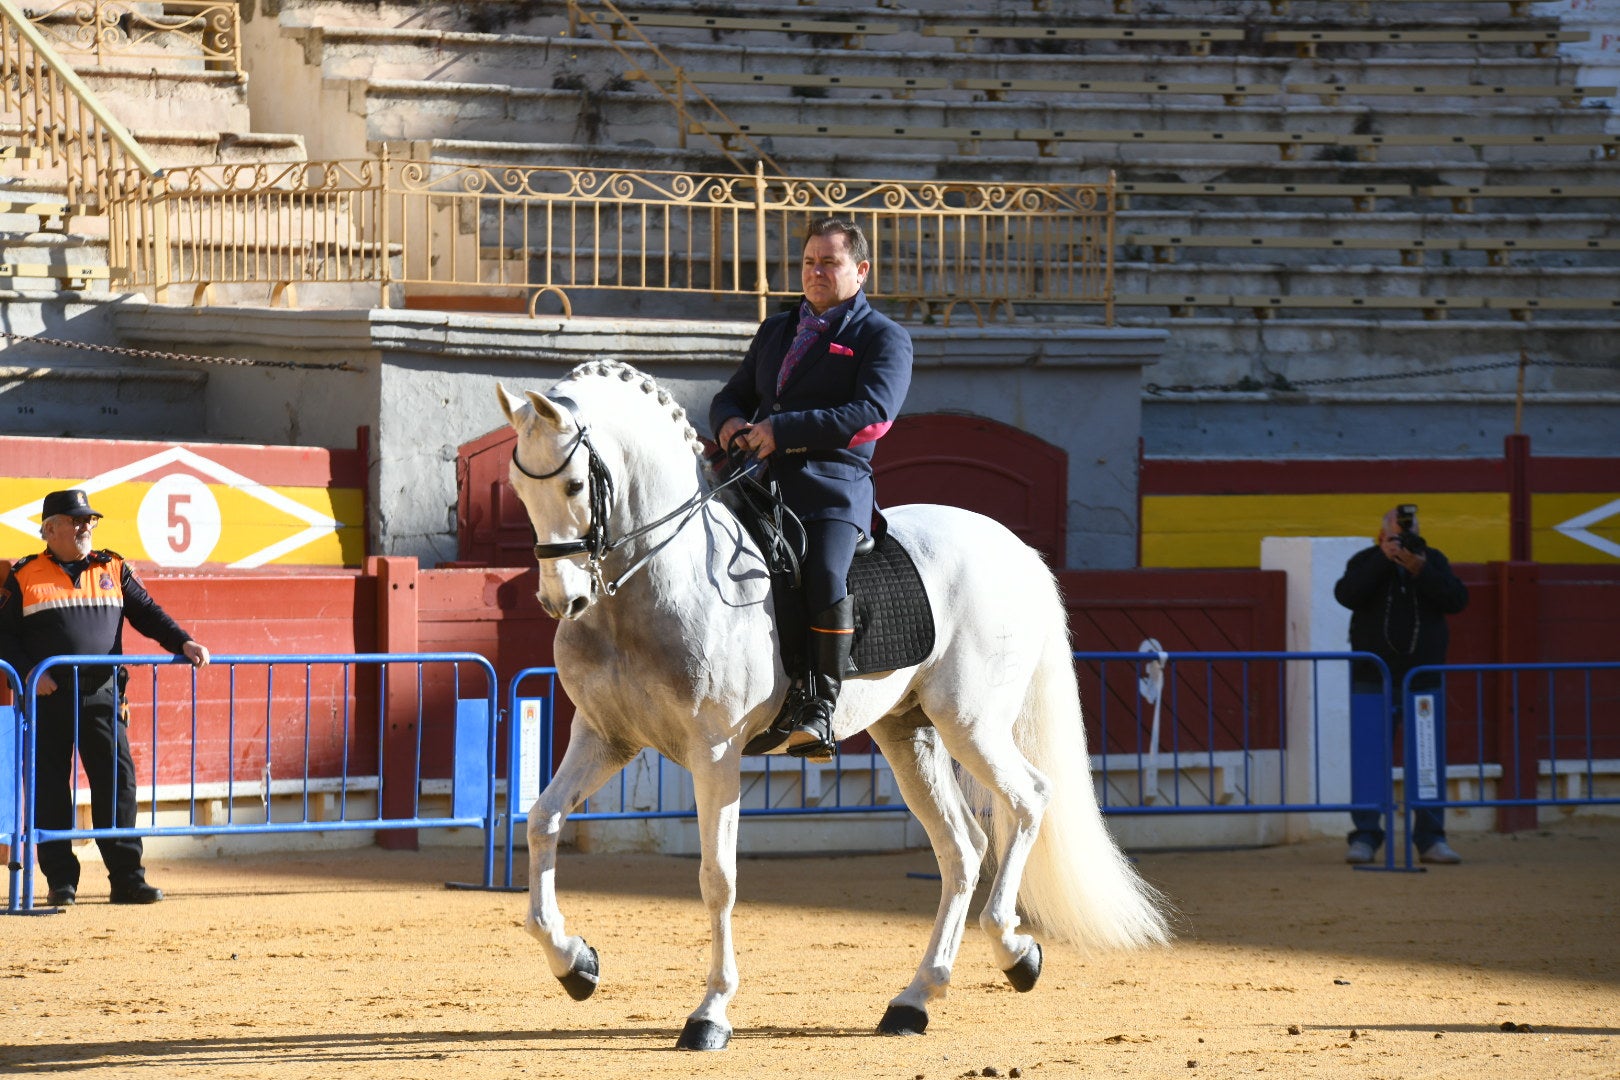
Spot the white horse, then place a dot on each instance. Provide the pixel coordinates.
(667, 640)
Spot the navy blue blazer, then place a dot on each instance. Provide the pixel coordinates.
(837, 403)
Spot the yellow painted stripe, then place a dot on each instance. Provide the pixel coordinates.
(1225, 530)
(248, 524)
(1549, 545)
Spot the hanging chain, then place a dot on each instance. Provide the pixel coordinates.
(158, 354)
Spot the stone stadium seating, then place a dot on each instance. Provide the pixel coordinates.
(1422, 158)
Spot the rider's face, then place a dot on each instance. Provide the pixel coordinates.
(831, 276)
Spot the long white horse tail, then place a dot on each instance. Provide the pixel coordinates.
(1078, 886)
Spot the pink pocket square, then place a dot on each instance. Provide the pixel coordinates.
(840, 350)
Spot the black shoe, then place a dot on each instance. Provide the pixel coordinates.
(141, 893)
(62, 896)
(812, 736)
(777, 733)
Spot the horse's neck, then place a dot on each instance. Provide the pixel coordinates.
(708, 568)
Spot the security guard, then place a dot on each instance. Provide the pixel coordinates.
(71, 599)
(817, 389)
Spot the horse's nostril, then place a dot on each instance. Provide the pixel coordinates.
(576, 608)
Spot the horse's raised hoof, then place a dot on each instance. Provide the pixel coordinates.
(903, 1020)
(1023, 974)
(581, 982)
(703, 1035)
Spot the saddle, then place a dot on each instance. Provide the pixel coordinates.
(894, 624)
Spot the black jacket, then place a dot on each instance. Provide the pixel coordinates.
(840, 399)
(1396, 616)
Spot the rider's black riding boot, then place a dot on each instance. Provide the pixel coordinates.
(832, 636)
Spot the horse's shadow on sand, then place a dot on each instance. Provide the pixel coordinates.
(356, 1047)
(400, 1046)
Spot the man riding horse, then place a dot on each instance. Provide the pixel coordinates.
(816, 390)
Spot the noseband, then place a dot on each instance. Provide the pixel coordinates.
(596, 544)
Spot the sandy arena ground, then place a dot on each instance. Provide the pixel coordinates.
(1289, 964)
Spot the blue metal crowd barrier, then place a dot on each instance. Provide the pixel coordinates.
(1229, 722)
(11, 787)
(1260, 785)
(1559, 742)
(472, 730)
(1224, 717)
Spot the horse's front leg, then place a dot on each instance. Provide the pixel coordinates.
(586, 766)
(717, 785)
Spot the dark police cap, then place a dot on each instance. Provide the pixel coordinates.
(73, 503)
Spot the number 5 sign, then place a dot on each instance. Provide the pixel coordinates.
(179, 521)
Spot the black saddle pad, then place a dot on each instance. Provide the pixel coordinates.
(894, 625)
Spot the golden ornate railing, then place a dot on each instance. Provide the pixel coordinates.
(205, 34)
(436, 227)
(46, 109)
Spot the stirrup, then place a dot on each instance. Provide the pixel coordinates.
(812, 736)
(777, 734)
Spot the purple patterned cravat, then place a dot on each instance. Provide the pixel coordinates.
(811, 327)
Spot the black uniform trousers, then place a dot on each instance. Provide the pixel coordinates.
(103, 744)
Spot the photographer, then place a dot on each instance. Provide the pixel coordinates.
(1399, 592)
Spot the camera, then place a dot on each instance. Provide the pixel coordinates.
(1406, 522)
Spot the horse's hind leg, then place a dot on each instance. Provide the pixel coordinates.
(922, 770)
(586, 766)
(1024, 792)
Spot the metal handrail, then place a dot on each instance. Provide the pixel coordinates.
(577, 13)
(60, 116)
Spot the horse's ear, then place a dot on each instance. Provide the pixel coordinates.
(509, 404)
(547, 410)
(544, 409)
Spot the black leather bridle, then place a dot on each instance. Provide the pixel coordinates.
(596, 544)
(599, 486)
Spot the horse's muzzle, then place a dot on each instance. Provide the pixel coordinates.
(569, 608)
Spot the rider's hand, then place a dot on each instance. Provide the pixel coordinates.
(729, 430)
(760, 438)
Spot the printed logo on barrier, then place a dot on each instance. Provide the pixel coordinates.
(179, 521)
(1579, 528)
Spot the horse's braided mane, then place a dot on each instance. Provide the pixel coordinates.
(609, 369)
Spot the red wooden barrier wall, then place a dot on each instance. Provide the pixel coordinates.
(1185, 611)
(1520, 612)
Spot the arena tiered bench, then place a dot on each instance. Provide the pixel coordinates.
(852, 33)
(1305, 42)
(899, 86)
(1197, 39)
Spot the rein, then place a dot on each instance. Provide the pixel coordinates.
(596, 544)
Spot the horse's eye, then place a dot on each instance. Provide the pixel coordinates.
(575, 487)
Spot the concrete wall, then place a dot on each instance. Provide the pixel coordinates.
(1384, 425)
(425, 384)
